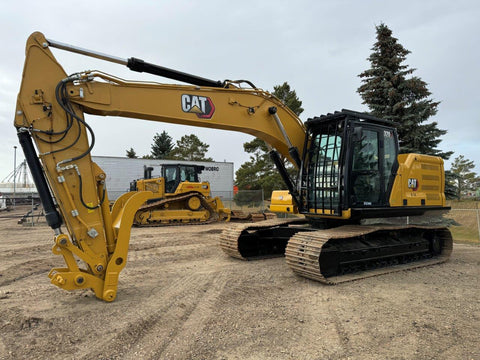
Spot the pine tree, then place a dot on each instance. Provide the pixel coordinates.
(260, 172)
(392, 92)
(131, 154)
(465, 180)
(450, 185)
(189, 147)
(162, 145)
(288, 97)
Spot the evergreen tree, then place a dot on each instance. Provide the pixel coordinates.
(288, 97)
(260, 172)
(131, 154)
(391, 92)
(162, 146)
(189, 147)
(465, 180)
(450, 185)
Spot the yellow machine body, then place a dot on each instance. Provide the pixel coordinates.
(50, 116)
(419, 181)
(157, 187)
(191, 202)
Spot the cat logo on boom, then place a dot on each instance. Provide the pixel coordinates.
(202, 106)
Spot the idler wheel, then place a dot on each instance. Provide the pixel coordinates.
(194, 203)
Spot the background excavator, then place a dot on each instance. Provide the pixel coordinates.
(178, 198)
(349, 171)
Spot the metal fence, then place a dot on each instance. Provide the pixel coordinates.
(223, 195)
(246, 200)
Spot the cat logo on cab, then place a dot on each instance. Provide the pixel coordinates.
(202, 106)
(413, 184)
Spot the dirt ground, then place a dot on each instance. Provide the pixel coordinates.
(181, 297)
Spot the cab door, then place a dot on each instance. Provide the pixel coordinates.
(373, 164)
(171, 176)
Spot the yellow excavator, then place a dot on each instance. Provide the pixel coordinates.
(351, 178)
(178, 198)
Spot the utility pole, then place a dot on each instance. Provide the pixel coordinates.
(14, 174)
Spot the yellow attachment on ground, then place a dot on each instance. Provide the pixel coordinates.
(224, 213)
(282, 202)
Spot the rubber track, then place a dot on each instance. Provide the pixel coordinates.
(230, 236)
(304, 248)
(213, 215)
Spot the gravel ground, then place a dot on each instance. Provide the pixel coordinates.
(180, 297)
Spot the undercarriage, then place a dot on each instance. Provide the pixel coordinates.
(342, 253)
(185, 209)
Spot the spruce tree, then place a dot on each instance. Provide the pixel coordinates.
(289, 97)
(131, 154)
(162, 145)
(391, 92)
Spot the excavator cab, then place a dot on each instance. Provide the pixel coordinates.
(350, 163)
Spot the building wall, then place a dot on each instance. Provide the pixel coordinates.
(121, 171)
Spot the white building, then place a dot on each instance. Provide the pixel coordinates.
(121, 171)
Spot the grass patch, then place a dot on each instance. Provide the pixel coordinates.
(465, 213)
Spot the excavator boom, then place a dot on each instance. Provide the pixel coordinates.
(50, 116)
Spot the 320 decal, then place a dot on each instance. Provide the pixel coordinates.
(202, 106)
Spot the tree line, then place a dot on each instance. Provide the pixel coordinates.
(189, 147)
(389, 89)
